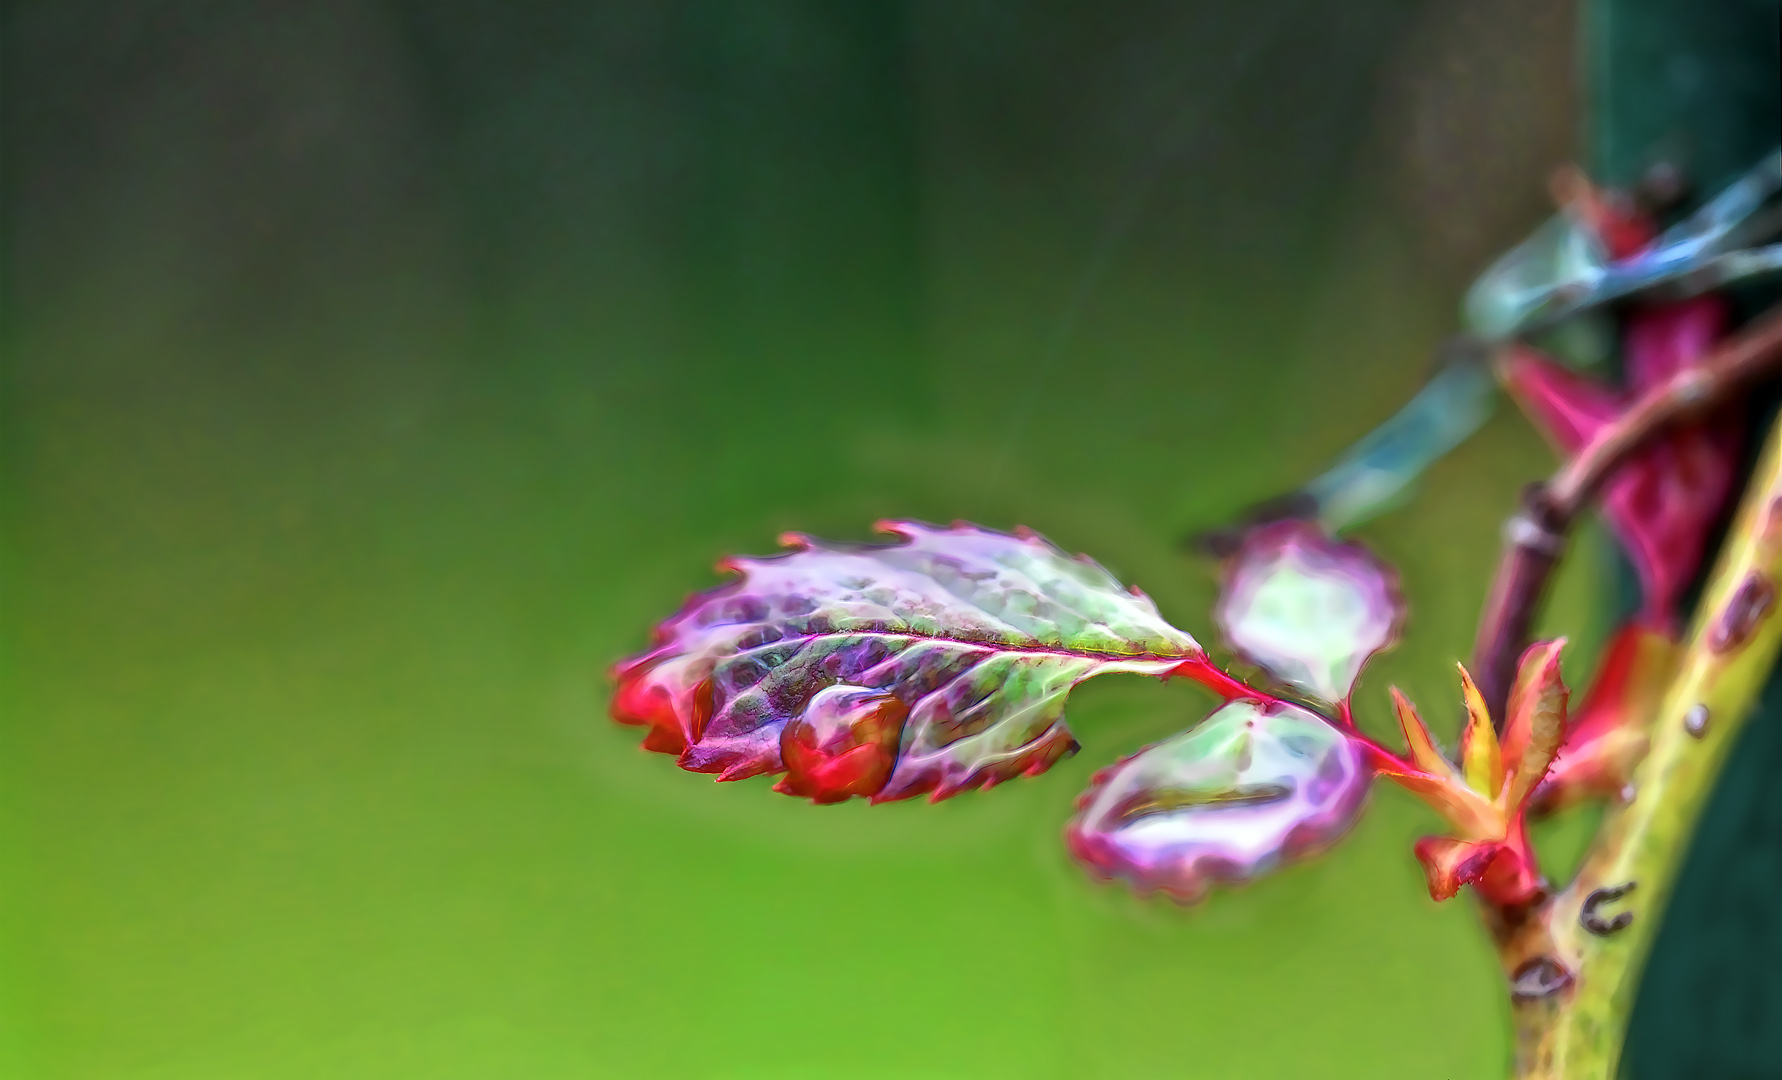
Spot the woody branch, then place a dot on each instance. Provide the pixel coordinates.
(1535, 536)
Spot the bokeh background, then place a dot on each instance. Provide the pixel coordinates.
(377, 373)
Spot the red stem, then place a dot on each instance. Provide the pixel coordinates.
(1202, 671)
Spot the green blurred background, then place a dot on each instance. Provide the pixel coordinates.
(377, 373)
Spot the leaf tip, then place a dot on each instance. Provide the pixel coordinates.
(1535, 726)
(1481, 758)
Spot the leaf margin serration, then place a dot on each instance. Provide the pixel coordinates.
(1117, 628)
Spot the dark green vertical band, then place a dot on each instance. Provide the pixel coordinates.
(1682, 81)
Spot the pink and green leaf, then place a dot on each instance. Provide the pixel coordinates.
(1308, 609)
(936, 663)
(1248, 788)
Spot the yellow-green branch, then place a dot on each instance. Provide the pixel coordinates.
(1575, 959)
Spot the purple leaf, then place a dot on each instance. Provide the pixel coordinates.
(1246, 789)
(934, 664)
(1308, 609)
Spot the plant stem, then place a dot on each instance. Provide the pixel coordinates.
(1574, 961)
(1535, 537)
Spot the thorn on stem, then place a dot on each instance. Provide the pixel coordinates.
(1596, 924)
(1538, 978)
(1743, 613)
(1695, 721)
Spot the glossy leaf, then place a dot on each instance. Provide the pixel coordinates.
(1246, 789)
(1308, 609)
(843, 744)
(936, 663)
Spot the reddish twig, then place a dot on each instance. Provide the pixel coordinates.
(1535, 536)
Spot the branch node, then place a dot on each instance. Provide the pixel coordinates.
(1523, 531)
